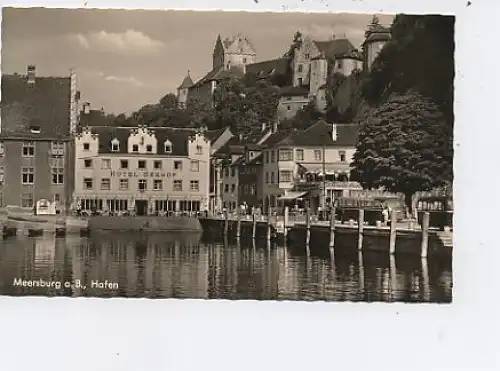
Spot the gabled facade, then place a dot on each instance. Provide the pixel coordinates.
(143, 169)
(294, 164)
(249, 168)
(39, 116)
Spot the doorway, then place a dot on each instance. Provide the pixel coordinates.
(141, 207)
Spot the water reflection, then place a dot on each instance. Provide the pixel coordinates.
(180, 266)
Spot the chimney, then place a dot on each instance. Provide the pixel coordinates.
(334, 132)
(86, 108)
(31, 74)
(264, 126)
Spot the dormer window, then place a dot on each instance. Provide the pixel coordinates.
(135, 148)
(35, 129)
(86, 146)
(199, 150)
(168, 146)
(149, 148)
(115, 145)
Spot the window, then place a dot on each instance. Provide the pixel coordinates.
(57, 175)
(57, 148)
(339, 64)
(1, 199)
(317, 155)
(266, 157)
(105, 184)
(157, 184)
(195, 165)
(342, 156)
(28, 175)
(233, 172)
(87, 163)
(233, 188)
(300, 81)
(27, 200)
(272, 177)
(226, 188)
(88, 183)
(299, 154)
(289, 108)
(106, 163)
(194, 185)
(115, 145)
(2, 148)
(157, 164)
(142, 184)
(28, 149)
(86, 146)
(273, 157)
(244, 60)
(123, 164)
(286, 154)
(253, 189)
(286, 176)
(141, 164)
(135, 148)
(123, 184)
(307, 56)
(57, 197)
(267, 177)
(199, 150)
(35, 129)
(177, 165)
(2, 175)
(168, 147)
(177, 185)
(299, 68)
(149, 148)
(226, 172)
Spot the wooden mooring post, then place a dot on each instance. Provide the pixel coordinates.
(226, 223)
(392, 238)
(308, 226)
(361, 224)
(238, 224)
(332, 230)
(285, 224)
(425, 235)
(269, 226)
(254, 225)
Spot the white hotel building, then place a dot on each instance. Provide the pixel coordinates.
(141, 169)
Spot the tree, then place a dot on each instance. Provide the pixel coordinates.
(169, 101)
(404, 147)
(419, 57)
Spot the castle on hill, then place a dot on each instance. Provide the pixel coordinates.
(310, 63)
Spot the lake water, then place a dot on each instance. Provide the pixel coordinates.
(173, 265)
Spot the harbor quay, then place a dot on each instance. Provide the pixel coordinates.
(311, 233)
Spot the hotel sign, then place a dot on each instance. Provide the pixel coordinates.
(142, 174)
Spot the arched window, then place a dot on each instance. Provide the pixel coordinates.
(168, 146)
(115, 145)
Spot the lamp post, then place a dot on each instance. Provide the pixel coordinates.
(324, 180)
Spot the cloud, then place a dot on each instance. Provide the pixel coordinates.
(127, 41)
(128, 80)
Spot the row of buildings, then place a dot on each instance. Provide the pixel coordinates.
(52, 150)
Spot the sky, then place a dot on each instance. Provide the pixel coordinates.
(125, 59)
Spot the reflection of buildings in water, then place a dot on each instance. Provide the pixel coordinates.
(289, 277)
(426, 294)
(45, 249)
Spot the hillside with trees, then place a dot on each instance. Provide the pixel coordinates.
(406, 140)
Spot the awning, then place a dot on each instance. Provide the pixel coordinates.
(292, 196)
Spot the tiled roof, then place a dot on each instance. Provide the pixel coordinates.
(236, 145)
(186, 83)
(253, 147)
(377, 33)
(267, 68)
(94, 118)
(45, 105)
(294, 91)
(353, 54)
(220, 74)
(213, 135)
(178, 137)
(318, 134)
(335, 48)
(257, 160)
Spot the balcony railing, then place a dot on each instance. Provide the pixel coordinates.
(312, 185)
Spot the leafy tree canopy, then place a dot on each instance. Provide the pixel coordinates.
(404, 147)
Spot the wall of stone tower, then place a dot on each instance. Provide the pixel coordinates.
(302, 61)
(372, 50)
(182, 97)
(346, 66)
(319, 74)
(239, 53)
(218, 55)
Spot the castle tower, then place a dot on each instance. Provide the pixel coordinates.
(376, 36)
(235, 52)
(183, 89)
